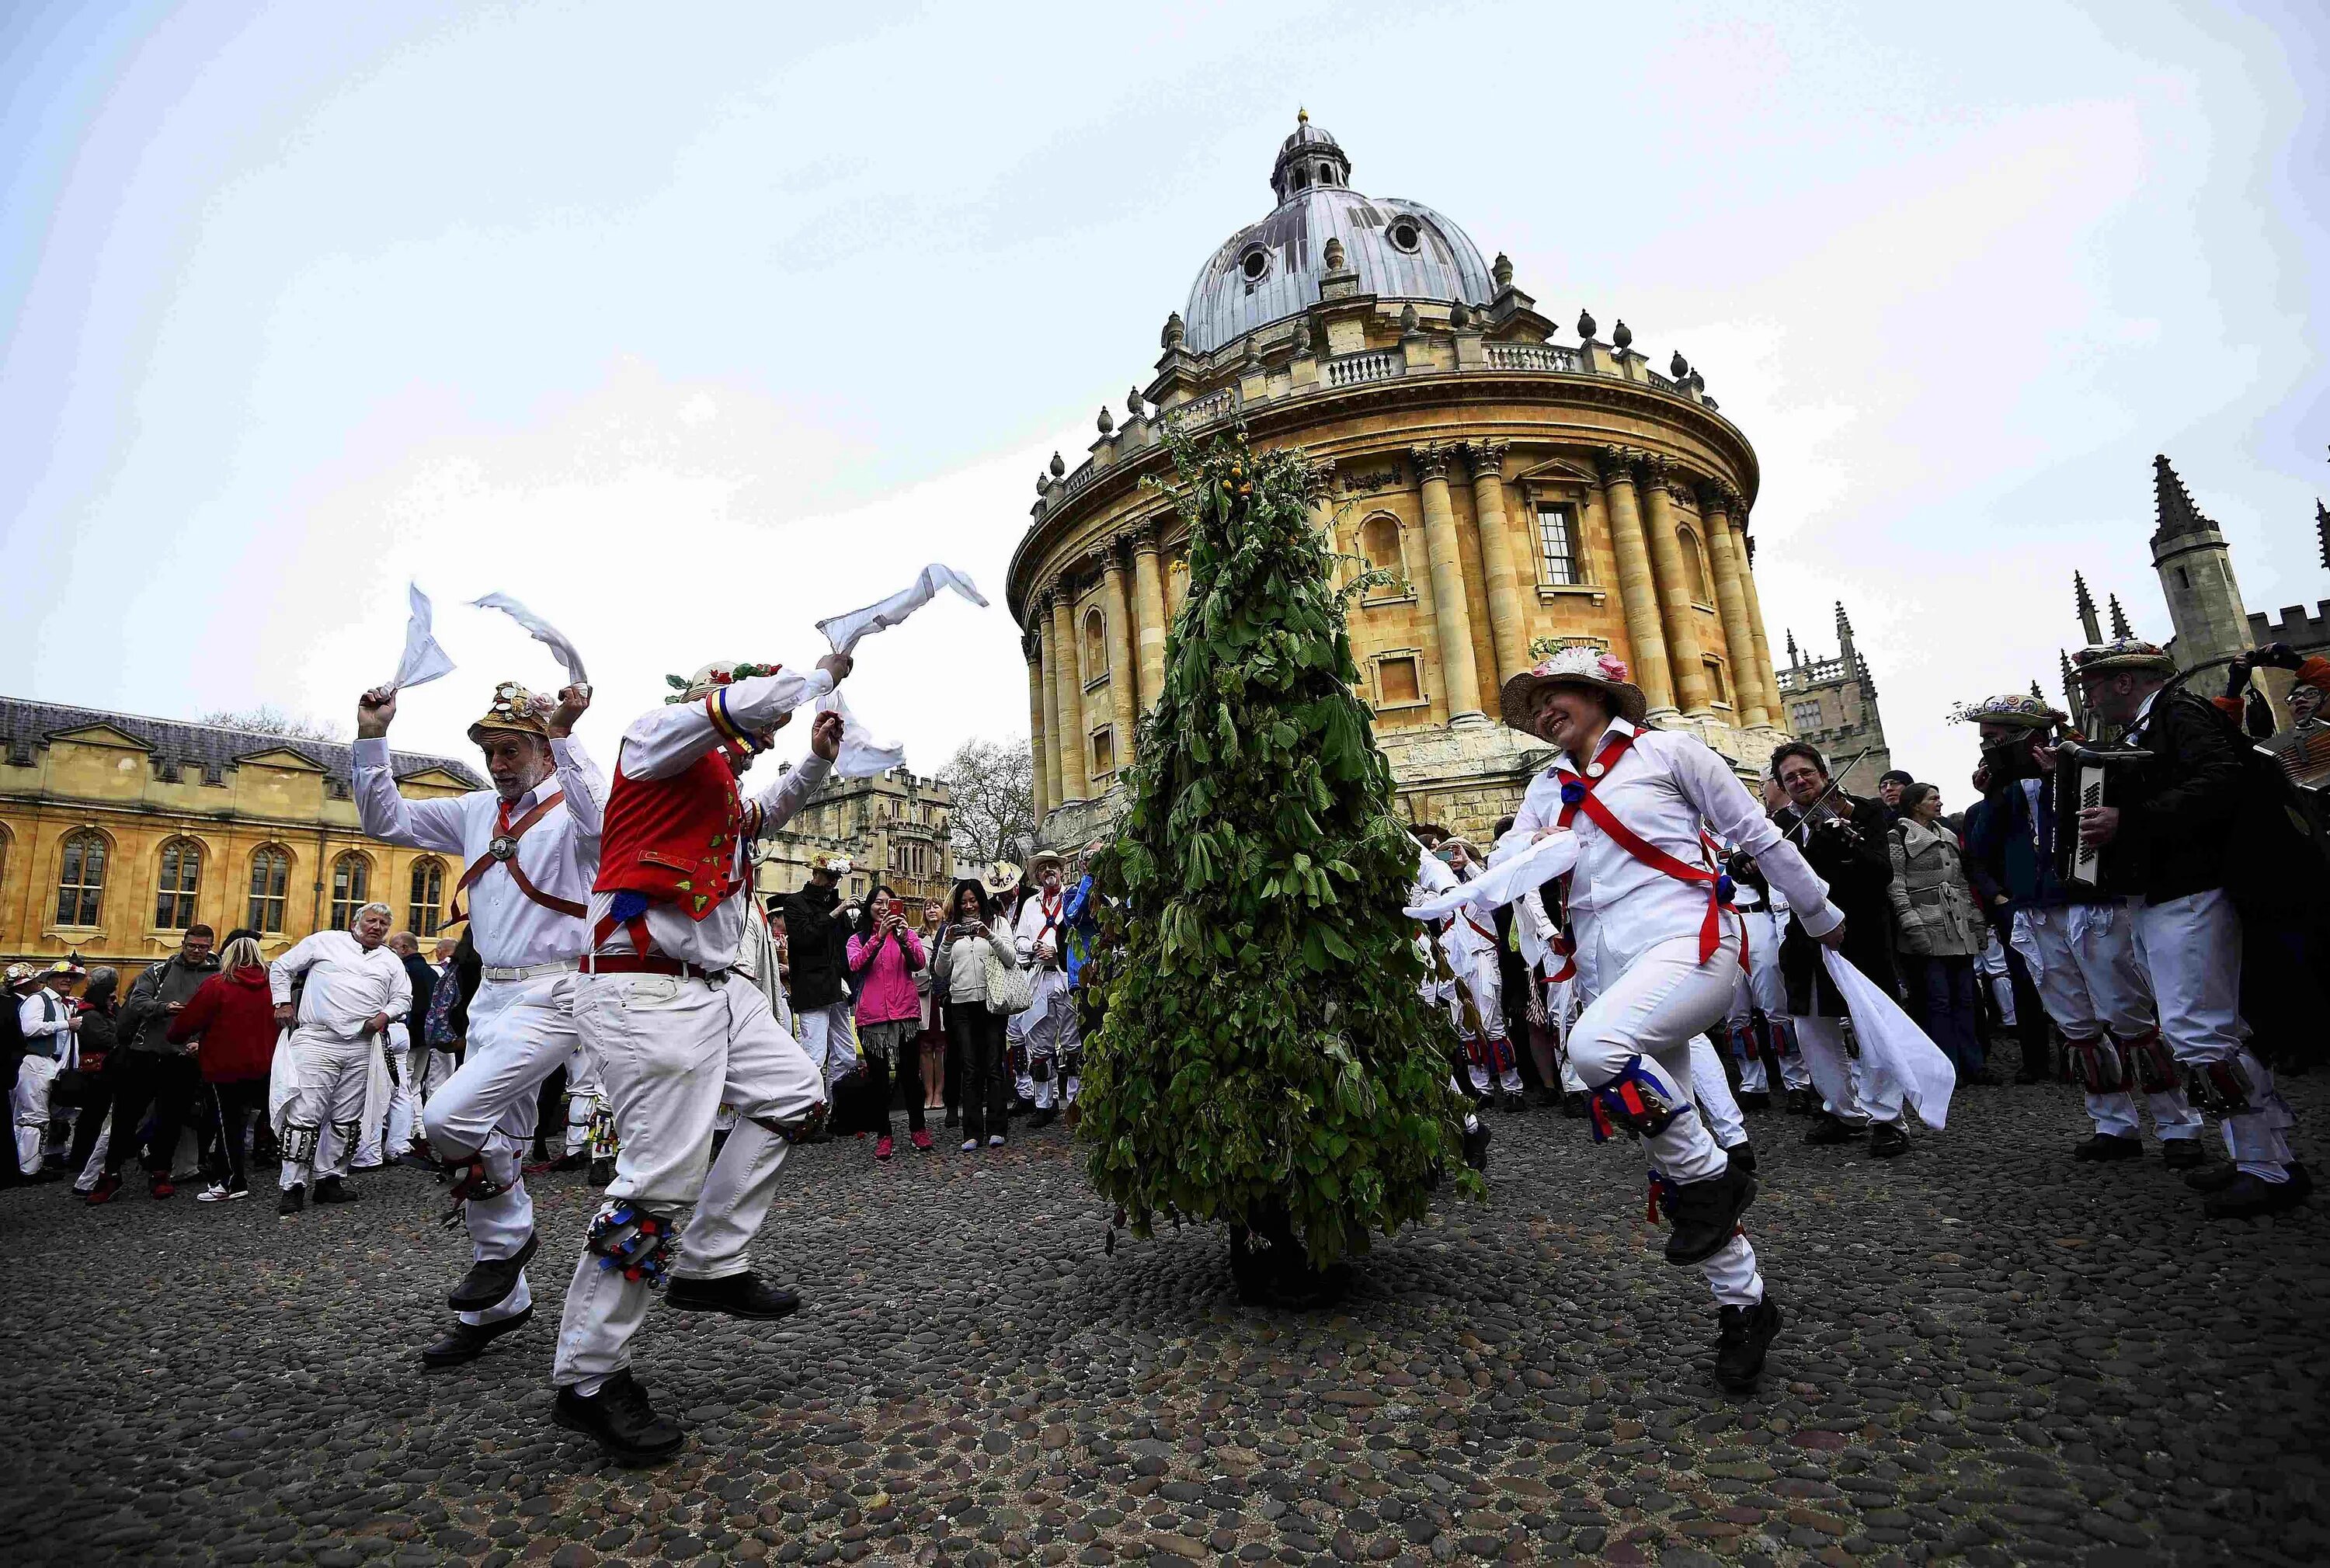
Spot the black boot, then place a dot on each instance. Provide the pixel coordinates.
(1888, 1140)
(619, 1418)
(1476, 1146)
(1706, 1213)
(738, 1295)
(602, 1171)
(2110, 1146)
(1573, 1105)
(1746, 1332)
(294, 1199)
(2250, 1197)
(2183, 1153)
(468, 1341)
(1043, 1118)
(1800, 1102)
(1756, 1100)
(332, 1190)
(1828, 1129)
(1742, 1157)
(490, 1281)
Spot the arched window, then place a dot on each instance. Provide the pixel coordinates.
(1694, 565)
(1380, 543)
(81, 878)
(270, 876)
(1096, 646)
(426, 913)
(175, 884)
(351, 888)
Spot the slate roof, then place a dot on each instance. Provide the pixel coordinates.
(201, 752)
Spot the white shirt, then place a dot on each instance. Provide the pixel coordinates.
(559, 854)
(44, 1016)
(1042, 909)
(667, 741)
(348, 984)
(1664, 788)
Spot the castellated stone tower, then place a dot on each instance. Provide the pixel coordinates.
(2196, 576)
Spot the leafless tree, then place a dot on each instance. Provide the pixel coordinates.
(270, 720)
(993, 786)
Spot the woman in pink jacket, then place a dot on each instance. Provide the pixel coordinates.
(882, 957)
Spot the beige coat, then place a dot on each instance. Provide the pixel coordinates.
(1932, 904)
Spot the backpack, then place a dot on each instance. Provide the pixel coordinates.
(438, 1032)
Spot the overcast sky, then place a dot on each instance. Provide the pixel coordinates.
(689, 326)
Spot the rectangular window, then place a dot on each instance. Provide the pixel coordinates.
(1557, 543)
(270, 869)
(1721, 693)
(1803, 716)
(173, 895)
(1104, 748)
(1397, 682)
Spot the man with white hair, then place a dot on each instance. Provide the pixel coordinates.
(355, 985)
(532, 844)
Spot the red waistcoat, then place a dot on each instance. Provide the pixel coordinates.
(675, 839)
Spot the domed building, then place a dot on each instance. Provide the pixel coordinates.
(1522, 493)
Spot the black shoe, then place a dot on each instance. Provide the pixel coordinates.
(738, 1295)
(621, 1420)
(2183, 1154)
(1888, 1140)
(574, 1161)
(1746, 1334)
(2211, 1178)
(415, 1162)
(1476, 1146)
(1511, 1103)
(2110, 1146)
(1800, 1102)
(2249, 1197)
(953, 1116)
(332, 1190)
(490, 1281)
(1828, 1129)
(1044, 1117)
(1756, 1100)
(293, 1200)
(602, 1172)
(1706, 1213)
(1742, 1157)
(468, 1341)
(1573, 1105)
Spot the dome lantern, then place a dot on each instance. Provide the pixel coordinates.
(1307, 158)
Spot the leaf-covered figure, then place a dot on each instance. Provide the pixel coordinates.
(1266, 1059)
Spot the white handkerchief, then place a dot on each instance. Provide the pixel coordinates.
(1498, 886)
(843, 631)
(424, 660)
(544, 632)
(1893, 1049)
(862, 756)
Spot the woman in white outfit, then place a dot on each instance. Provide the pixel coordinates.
(1657, 949)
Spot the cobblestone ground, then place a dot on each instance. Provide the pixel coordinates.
(1991, 1356)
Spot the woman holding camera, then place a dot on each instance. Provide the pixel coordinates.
(884, 954)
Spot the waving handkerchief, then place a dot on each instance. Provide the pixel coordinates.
(544, 632)
(862, 756)
(1552, 855)
(1893, 1049)
(424, 660)
(843, 631)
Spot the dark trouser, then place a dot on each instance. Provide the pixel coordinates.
(881, 1089)
(2030, 1025)
(231, 1107)
(92, 1119)
(1947, 984)
(986, 1073)
(165, 1083)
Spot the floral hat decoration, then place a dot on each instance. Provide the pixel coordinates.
(514, 711)
(1574, 667)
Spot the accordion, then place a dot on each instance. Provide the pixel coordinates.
(2084, 779)
(2304, 757)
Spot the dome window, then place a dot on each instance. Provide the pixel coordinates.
(1404, 236)
(1302, 180)
(1326, 174)
(1255, 265)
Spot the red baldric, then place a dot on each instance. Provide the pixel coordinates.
(1710, 931)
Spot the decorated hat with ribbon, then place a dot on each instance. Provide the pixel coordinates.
(18, 975)
(515, 711)
(1574, 667)
(831, 864)
(2127, 653)
(2019, 709)
(999, 878)
(695, 688)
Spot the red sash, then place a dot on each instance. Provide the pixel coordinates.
(503, 851)
(1710, 931)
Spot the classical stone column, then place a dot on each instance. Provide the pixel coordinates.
(1037, 700)
(1753, 702)
(1636, 592)
(1148, 592)
(1068, 694)
(1508, 620)
(1674, 590)
(1119, 604)
(1459, 674)
(1047, 757)
(1755, 608)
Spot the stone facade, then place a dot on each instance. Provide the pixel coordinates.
(893, 826)
(1519, 493)
(1832, 704)
(118, 832)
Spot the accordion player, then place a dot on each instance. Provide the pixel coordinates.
(2088, 777)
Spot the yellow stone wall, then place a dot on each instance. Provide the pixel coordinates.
(895, 827)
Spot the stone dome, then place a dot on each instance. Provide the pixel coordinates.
(1270, 271)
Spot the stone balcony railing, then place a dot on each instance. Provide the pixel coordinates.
(1811, 673)
(1353, 369)
(1536, 356)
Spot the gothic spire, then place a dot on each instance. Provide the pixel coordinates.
(2070, 690)
(2322, 531)
(1795, 658)
(2119, 619)
(2085, 604)
(2173, 504)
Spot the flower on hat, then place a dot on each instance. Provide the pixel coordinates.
(1612, 667)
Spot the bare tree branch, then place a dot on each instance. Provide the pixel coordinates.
(993, 786)
(270, 720)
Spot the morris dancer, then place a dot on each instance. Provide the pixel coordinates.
(1476, 953)
(677, 1034)
(1658, 948)
(2081, 953)
(532, 844)
(355, 985)
(1040, 1036)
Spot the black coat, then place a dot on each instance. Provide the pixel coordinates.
(1855, 859)
(423, 976)
(818, 940)
(2178, 810)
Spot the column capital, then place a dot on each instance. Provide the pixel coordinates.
(1616, 464)
(1431, 461)
(1103, 558)
(1486, 458)
(1040, 599)
(1655, 467)
(1319, 480)
(1714, 496)
(1145, 536)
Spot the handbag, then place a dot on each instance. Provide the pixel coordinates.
(1009, 990)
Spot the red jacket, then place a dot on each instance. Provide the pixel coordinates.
(233, 1014)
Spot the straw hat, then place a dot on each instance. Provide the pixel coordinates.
(1573, 666)
(1042, 858)
(515, 711)
(826, 861)
(999, 878)
(2127, 653)
(2019, 709)
(711, 678)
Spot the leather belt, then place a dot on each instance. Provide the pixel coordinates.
(653, 964)
(531, 971)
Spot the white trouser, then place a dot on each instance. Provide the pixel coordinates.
(2191, 946)
(2082, 958)
(1992, 968)
(327, 1095)
(581, 1097)
(380, 1098)
(826, 1038)
(1846, 1093)
(520, 1032)
(1663, 1001)
(1768, 989)
(1712, 1090)
(671, 1052)
(424, 1074)
(29, 1100)
(405, 1093)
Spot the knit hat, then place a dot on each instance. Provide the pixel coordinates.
(1574, 667)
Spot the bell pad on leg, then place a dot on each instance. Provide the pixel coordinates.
(472, 1182)
(2219, 1086)
(633, 1242)
(1745, 1047)
(1783, 1034)
(795, 1129)
(299, 1142)
(602, 1128)
(1634, 1102)
(2150, 1062)
(2096, 1065)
